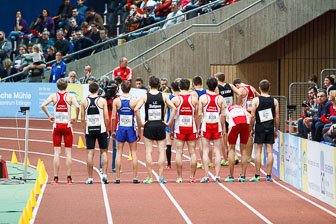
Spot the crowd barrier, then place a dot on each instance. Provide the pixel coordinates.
(308, 166)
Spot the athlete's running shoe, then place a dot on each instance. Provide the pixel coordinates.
(117, 181)
(136, 181)
(269, 178)
(229, 179)
(255, 179)
(162, 180)
(55, 181)
(200, 165)
(211, 165)
(148, 181)
(105, 180)
(179, 180)
(69, 180)
(89, 181)
(224, 163)
(217, 179)
(205, 180)
(249, 160)
(192, 180)
(242, 179)
(168, 167)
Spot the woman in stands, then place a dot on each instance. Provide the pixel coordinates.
(44, 21)
(329, 130)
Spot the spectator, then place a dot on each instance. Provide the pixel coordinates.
(61, 44)
(8, 70)
(310, 109)
(92, 16)
(20, 28)
(150, 4)
(162, 10)
(35, 72)
(73, 39)
(73, 26)
(329, 130)
(58, 69)
(86, 29)
(95, 33)
(165, 88)
(175, 12)
(329, 84)
(146, 21)
(82, 43)
(323, 110)
(87, 70)
(64, 12)
(140, 84)
(103, 38)
(37, 55)
(123, 71)
(20, 59)
(44, 21)
(133, 20)
(77, 16)
(193, 4)
(5, 46)
(72, 78)
(81, 7)
(51, 55)
(46, 41)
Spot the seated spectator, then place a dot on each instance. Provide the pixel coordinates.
(94, 34)
(82, 43)
(175, 12)
(35, 72)
(329, 84)
(310, 109)
(77, 16)
(37, 55)
(81, 7)
(150, 4)
(132, 21)
(329, 130)
(64, 12)
(45, 41)
(8, 70)
(73, 26)
(18, 63)
(73, 39)
(86, 29)
(44, 21)
(222, 4)
(162, 10)
(61, 44)
(140, 84)
(58, 69)
(51, 55)
(92, 16)
(193, 4)
(72, 78)
(123, 71)
(146, 21)
(20, 28)
(103, 38)
(323, 110)
(165, 88)
(87, 71)
(5, 46)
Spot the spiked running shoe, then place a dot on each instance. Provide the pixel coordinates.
(217, 179)
(200, 165)
(162, 180)
(168, 167)
(192, 180)
(241, 179)
(229, 179)
(148, 181)
(224, 163)
(105, 180)
(255, 179)
(136, 181)
(89, 181)
(69, 180)
(55, 181)
(269, 178)
(179, 180)
(211, 165)
(205, 180)
(117, 181)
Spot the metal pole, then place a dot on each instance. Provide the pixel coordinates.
(26, 145)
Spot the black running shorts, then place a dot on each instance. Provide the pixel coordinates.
(155, 130)
(264, 136)
(91, 140)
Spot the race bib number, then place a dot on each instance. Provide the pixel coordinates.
(265, 115)
(228, 101)
(236, 112)
(126, 120)
(61, 117)
(154, 114)
(249, 105)
(93, 120)
(185, 121)
(212, 117)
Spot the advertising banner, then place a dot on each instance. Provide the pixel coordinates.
(276, 156)
(304, 165)
(292, 156)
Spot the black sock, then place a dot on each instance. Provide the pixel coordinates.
(256, 176)
(242, 176)
(168, 154)
(69, 177)
(268, 175)
(55, 177)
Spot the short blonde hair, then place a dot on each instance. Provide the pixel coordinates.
(332, 93)
(7, 63)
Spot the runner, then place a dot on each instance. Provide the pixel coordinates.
(238, 125)
(265, 113)
(95, 122)
(186, 124)
(155, 127)
(62, 102)
(126, 131)
(226, 90)
(211, 107)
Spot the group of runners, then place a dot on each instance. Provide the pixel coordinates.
(207, 118)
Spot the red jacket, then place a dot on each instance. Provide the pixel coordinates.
(124, 73)
(162, 10)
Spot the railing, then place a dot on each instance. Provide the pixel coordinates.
(208, 6)
(282, 100)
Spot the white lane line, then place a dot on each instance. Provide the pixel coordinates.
(297, 194)
(236, 196)
(106, 202)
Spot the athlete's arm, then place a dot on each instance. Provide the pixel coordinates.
(176, 102)
(113, 117)
(194, 94)
(276, 125)
(195, 104)
(222, 115)
(201, 103)
(83, 118)
(255, 91)
(255, 103)
(235, 90)
(141, 102)
(217, 90)
(44, 107)
(74, 101)
(172, 109)
(241, 96)
(106, 117)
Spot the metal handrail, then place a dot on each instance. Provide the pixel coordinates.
(124, 35)
(325, 70)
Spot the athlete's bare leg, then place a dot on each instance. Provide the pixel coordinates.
(206, 148)
(217, 149)
(68, 161)
(199, 143)
(225, 150)
(57, 152)
(231, 158)
(149, 149)
(257, 158)
(120, 148)
(103, 153)
(243, 158)
(133, 148)
(178, 157)
(249, 147)
(269, 150)
(162, 156)
(193, 159)
(90, 155)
